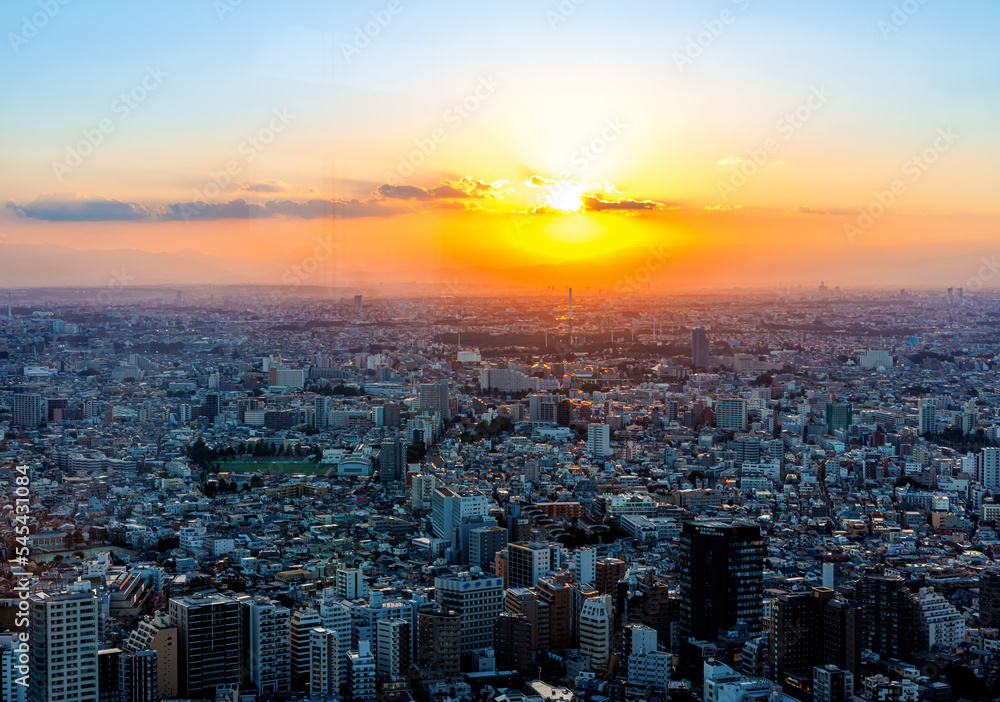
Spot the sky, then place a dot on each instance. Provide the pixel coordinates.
(631, 145)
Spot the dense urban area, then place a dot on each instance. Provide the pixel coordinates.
(243, 494)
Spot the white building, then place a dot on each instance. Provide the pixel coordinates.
(585, 565)
(325, 664)
(595, 627)
(63, 662)
(266, 632)
(988, 468)
(941, 622)
(598, 440)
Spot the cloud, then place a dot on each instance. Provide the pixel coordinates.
(267, 186)
(729, 161)
(66, 208)
(465, 187)
(800, 210)
(342, 209)
(596, 204)
(723, 208)
(234, 209)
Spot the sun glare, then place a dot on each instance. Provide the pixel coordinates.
(565, 195)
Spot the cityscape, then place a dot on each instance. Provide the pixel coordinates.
(543, 351)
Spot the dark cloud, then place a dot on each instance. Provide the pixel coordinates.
(465, 187)
(73, 210)
(234, 209)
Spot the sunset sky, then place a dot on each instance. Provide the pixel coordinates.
(737, 143)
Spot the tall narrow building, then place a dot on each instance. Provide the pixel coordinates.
(208, 630)
(721, 579)
(699, 349)
(63, 657)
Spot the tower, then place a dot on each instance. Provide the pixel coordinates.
(721, 578)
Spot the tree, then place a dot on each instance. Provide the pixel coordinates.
(415, 452)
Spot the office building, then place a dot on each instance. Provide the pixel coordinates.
(449, 508)
(477, 599)
(392, 460)
(700, 349)
(63, 647)
(484, 543)
(838, 416)
(721, 572)
(209, 651)
(527, 562)
(108, 684)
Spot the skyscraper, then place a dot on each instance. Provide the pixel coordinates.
(889, 616)
(721, 578)
(27, 410)
(63, 655)
(266, 656)
(699, 349)
(208, 629)
(301, 624)
(325, 662)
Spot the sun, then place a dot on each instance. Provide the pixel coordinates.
(565, 195)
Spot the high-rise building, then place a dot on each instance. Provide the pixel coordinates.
(63, 655)
(700, 349)
(512, 642)
(300, 625)
(731, 414)
(213, 405)
(941, 623)
(721, 578)
(927, 416)
(439, 638)
(325, 664)
(484, 542)
(361, 673)
(321, 411)
(449, 508)
(393, 645)
(108, 684)
(838, 416)
(596, 627)
(351, 583)
(138, 677)
(156, 633)
(527, 562)
(598, 440)
(607, 573)
(208, 631)
(266, 643)
(526, 602)
(889, 616)
(477, 599)
(558, 595)
(392, 460)
(27, 410)
(585, 565)
(11, 649)
(989, 598)
(988, 468)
